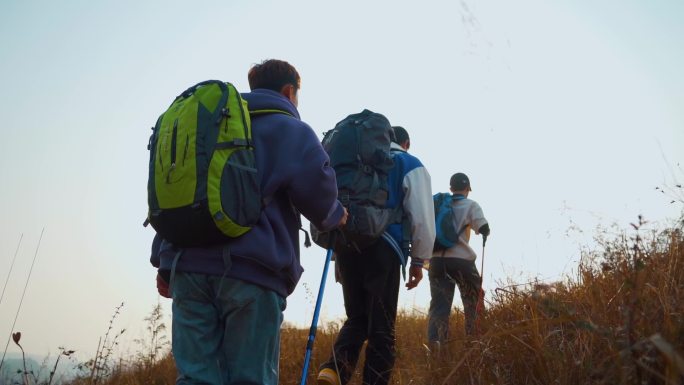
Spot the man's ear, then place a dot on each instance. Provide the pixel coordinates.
(290, 92)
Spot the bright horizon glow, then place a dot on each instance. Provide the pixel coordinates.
(566, 117)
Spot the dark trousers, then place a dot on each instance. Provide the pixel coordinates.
(445, 274)
(370, 285)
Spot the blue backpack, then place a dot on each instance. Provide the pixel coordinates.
(446, 236)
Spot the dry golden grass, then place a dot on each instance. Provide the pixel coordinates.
(619, 321)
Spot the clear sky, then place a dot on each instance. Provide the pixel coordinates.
(566, 115)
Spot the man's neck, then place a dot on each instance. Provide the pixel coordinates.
(396, 146)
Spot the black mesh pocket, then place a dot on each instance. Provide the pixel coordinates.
(240, 192)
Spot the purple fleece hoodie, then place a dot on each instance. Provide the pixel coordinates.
(295, 171)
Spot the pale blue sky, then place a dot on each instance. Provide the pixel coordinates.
(564, 113)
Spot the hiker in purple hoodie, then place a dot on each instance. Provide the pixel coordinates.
(228, 299)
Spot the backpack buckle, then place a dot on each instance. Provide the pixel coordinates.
(225, 112)
(344, 199)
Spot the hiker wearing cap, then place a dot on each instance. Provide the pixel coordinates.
(229, 298)
(371, 277)
(456, 265)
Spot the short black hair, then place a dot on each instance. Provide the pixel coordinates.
(273, 74)
(400, 134)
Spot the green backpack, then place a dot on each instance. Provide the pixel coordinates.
(203, 187)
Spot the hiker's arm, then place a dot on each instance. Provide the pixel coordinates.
(156, 246)
(162, 285)
(420, 210)
(313, 187)
(477, 220)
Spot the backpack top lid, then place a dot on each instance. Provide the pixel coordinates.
(359, 150)
(365, 136)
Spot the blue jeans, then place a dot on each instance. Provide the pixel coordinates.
(225, 331)
(445, 274)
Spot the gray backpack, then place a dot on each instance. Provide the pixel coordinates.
(359, 150)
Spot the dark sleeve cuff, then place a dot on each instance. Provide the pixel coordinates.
(333, 218)
(417, 262)
(156, 245)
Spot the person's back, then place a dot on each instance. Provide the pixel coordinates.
(370, 278)
(467, 215)
(456, 265)
(242, 284)
(412, 190)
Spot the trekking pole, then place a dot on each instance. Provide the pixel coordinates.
(484, 240)
(480, 300)
(314, 322)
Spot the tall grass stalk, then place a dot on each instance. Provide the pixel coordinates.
(21, 301)
(17, 337)
(62, 352)
(9, 273)
(152, 345)
(99, 365)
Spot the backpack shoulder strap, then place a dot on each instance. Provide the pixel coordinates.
(457, 197)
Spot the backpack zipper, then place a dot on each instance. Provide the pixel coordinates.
(173, 141)
(160, 152)
(173, 150)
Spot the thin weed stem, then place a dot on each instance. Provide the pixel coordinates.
(11, 267)
(21, 301)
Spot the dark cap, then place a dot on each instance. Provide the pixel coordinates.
(459, 181)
